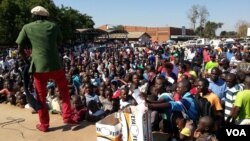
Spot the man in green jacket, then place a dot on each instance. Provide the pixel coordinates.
(45, 37)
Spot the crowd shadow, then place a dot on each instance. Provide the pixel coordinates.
(71, 127)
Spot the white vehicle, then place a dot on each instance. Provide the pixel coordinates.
(216, 43)
(230, 40)
(202, 42)
(171, 42)
(190, 42)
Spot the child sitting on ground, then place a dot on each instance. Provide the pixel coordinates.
(7, 89)
(101, 93)
(93, 103)
(11, 99)
(107, 103)
(185, 126)
(21, 100)
(126, 99)
(79, 110)
(204, 131)
(56, 105)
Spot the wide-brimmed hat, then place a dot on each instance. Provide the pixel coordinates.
(40, 11)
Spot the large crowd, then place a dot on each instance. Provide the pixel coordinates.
(191, 92)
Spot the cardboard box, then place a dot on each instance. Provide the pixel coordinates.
(109, 128)
(136, 124)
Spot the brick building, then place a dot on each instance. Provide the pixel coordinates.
(159, 34)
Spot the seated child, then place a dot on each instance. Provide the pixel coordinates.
(95, 113)
(11, 99)
(126, 99)
(204, 131)
(101, 93)
(21, 100)
(56, 103)
(107, 103)
(79, 111)
(7, 89)
(3, 98)
(82, 95)
(51, 94)
(90, 95)
(185, 126)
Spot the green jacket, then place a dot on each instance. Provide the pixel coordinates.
(44, 36)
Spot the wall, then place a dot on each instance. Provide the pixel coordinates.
(159, 34)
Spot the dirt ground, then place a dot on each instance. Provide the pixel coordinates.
(18, 124)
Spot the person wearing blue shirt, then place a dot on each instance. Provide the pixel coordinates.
(165, 56)
(151, 57)
(229, 54)
(186, 104)
(217, 85)
(90, 95)
(76, 80)
(161, 105)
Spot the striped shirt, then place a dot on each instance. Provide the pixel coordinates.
(230, 97)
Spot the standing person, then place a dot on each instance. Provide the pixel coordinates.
(217, 85)
(232, 89)
(241, 108)
(203, 91)
(212, 63)
(45, 37)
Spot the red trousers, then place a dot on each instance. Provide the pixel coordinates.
(40, 81)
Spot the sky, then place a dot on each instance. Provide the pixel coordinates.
(159, 13)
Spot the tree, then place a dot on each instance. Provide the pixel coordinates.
(241, 28)
(8, 27)
(193, 15)
(228, 34)
(203, 14)
(210, 29)
(14, 14)
(223, 33)
(71, 19)
(118, 27)
(199, 31)
(199, 13)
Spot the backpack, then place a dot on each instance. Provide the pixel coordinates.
(203, 106)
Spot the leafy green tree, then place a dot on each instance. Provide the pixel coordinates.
(70, 19)
(8, 27)
(210, 29)
(231, 34)
(14, 14)
(228, 34)
(223, 33)
(118, 27)
(25, 7)
(199, 31)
